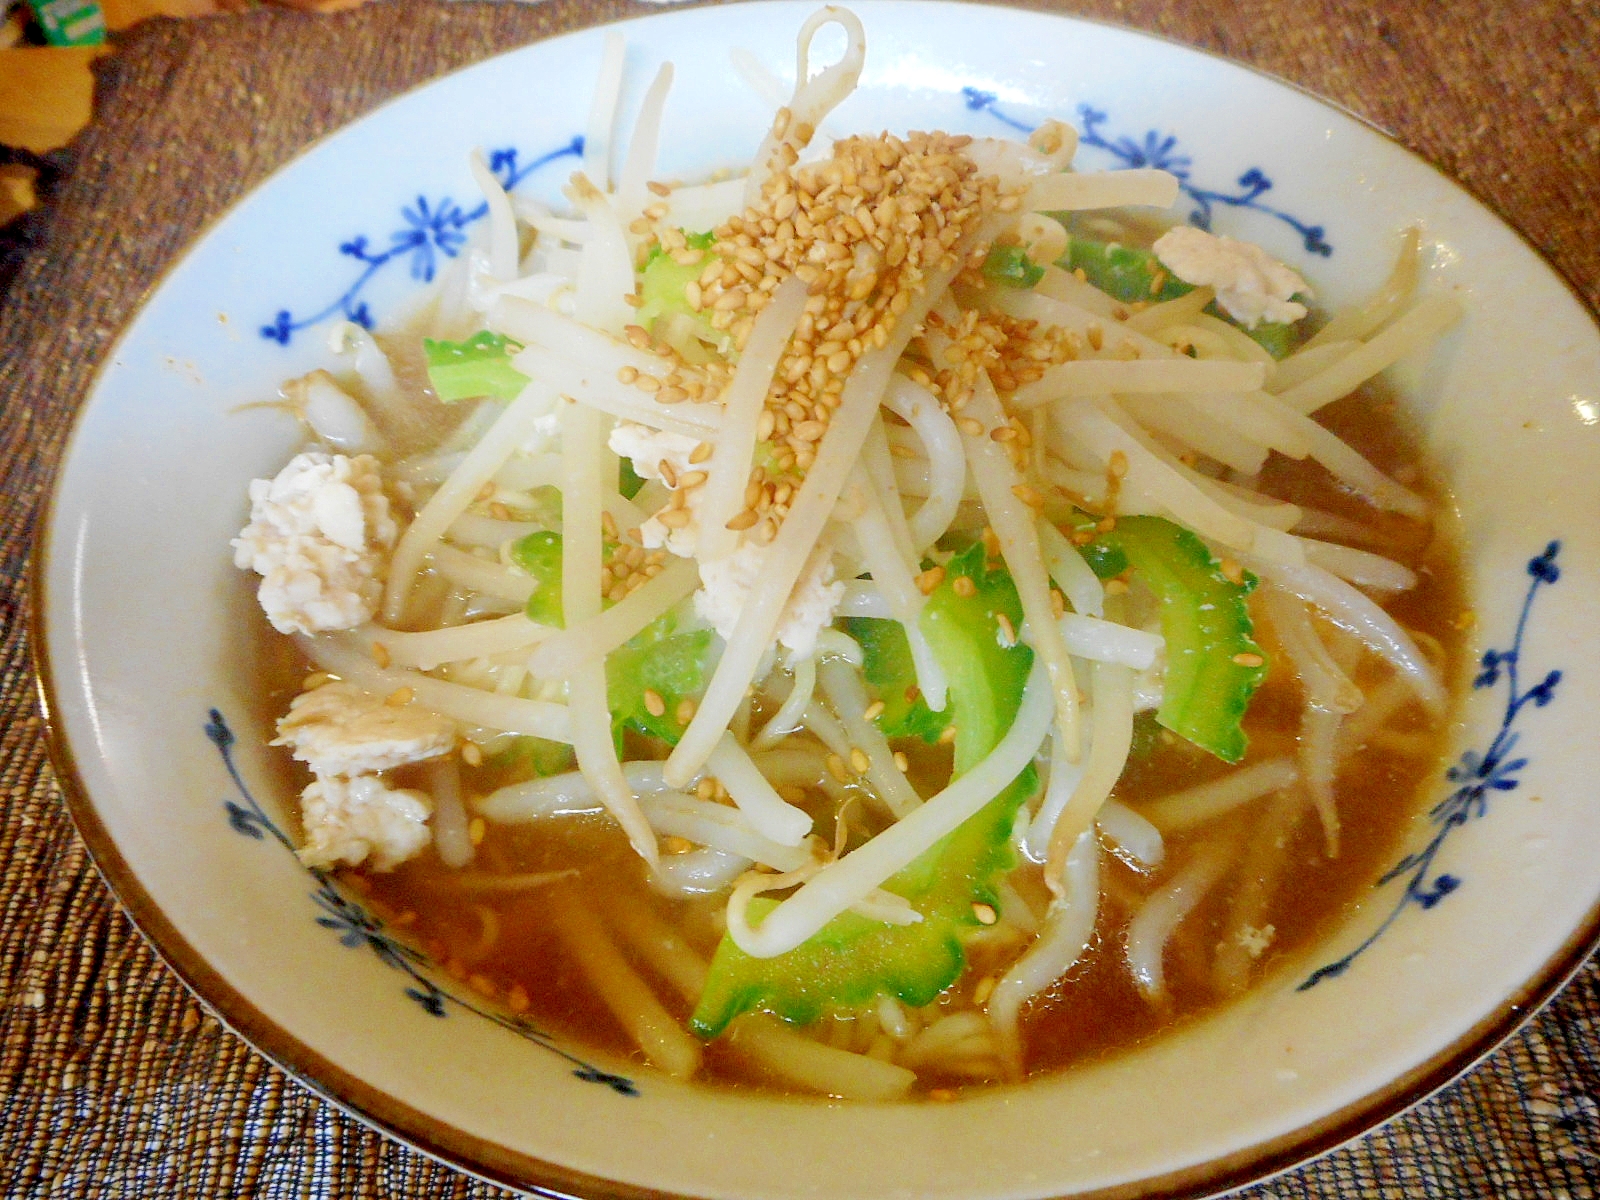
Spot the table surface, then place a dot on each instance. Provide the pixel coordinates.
(114, 1081)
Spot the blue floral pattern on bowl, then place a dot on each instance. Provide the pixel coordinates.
(357, 927)
(1477, 776)
(428, 231)
(1160, 151)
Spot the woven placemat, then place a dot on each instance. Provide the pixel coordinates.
(114, 1082)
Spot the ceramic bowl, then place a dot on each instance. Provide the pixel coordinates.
(160, 732)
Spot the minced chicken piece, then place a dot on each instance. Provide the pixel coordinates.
(726, 583)
(356, 820)
(338, 729)
(661, 454)
(1251, 285)
(319, 536)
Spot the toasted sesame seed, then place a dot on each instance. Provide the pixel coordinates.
(901, 762)
(963, 586)
(1249, 660)
(930, 579)
(984, 913)
(653, 703)
(627, 374)
(837, 769)
(472, 754)
(1028, 495)
(380, 655)
(859, 760)
(399, 698)
(873, 711)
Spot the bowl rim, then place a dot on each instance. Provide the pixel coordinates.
(502, 1166)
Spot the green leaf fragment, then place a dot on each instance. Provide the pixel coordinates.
(663, 659)
(664, 282)
(479, 366)
(539, 554)
(1011, 266)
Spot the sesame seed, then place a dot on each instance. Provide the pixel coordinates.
(380, 655)
(837, 769)
(985, 913)
(1008, 632)
(1028, 495)
(963, 586)
(859, 760)
(901, 762)
(399, 698)
(929, 580)
(873, 711)
(653, 703)
(1249, 660)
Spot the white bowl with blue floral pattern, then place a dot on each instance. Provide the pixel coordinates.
(160, 732)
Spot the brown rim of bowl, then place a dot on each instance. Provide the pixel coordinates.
(498, 1165)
